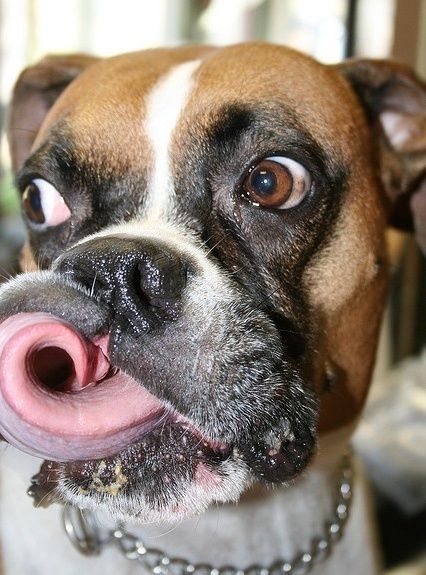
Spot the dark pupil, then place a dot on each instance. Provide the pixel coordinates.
(264, 182)
(35, 200)
(32, 204)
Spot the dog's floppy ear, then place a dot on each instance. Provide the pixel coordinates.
(35, 91)
(394, 99)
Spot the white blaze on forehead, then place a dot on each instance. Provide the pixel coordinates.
(165, 104)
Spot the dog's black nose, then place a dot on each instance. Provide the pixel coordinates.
(141, 280)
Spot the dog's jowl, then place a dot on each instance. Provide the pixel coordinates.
(204, 278)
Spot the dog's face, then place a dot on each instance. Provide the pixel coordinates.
(210, 225)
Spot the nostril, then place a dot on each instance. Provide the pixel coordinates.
(139, 285)
(88, 278)
(159, 281)
(78, 274)
(52, 367)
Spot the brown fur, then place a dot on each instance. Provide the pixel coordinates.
(346, 280)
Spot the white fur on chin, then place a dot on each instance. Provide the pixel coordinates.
(260, 529)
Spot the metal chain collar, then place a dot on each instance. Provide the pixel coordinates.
(81, 528)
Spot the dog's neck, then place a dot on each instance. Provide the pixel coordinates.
(226, 535)
(265, 526)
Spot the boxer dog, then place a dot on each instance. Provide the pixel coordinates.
(207, 237)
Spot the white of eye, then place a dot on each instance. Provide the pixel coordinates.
(302, 181)
(43, 205)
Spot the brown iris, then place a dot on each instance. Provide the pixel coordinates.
(269, 184)
(31, 201)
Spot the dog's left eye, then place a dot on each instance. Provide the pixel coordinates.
(277, 182)
(43, 205)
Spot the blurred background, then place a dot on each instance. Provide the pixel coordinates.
(392, 437)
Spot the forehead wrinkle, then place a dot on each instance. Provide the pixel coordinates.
(268, 128)
(66, 158)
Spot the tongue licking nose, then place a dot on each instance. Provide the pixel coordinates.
(58, 398)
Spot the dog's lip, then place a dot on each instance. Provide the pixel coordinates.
(182, 455)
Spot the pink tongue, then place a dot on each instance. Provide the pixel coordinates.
(54, 402)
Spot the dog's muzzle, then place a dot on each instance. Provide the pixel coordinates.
(128, 355)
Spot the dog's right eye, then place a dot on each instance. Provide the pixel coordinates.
(43, 205)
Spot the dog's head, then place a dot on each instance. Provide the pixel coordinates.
(209, 229)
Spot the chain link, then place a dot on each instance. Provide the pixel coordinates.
(81, 530)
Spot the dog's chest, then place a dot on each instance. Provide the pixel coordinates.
(33, 540)
(259, 531)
